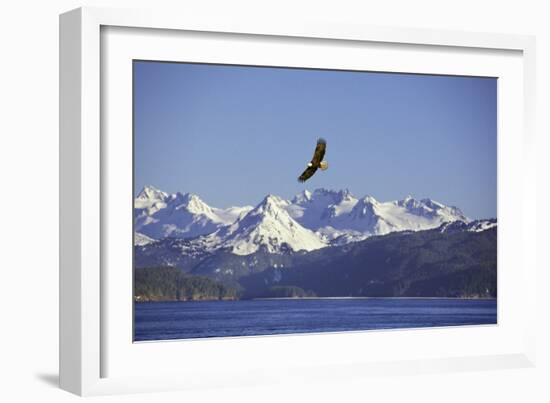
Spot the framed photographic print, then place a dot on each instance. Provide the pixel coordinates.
(282, 255)
(334, 198)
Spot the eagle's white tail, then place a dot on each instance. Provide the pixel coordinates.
(323, 165)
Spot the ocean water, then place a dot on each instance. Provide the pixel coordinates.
(184, 320)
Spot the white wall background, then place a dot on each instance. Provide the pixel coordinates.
(29, 198)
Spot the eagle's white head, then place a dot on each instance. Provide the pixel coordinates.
(309, 164)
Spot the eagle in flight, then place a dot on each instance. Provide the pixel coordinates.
(316, 161)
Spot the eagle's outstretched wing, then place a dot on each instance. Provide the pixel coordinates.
(308, 173)
(318, 155)
(319, 152)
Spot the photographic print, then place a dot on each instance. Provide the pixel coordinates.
(275, 200)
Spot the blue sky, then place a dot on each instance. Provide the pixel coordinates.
(233, 134)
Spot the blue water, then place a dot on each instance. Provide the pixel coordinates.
(183, 320)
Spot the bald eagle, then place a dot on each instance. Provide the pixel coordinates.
(316, 161)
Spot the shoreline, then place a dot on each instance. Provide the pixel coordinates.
(320, 298)
(276, 298)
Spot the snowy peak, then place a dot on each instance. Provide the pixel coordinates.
(196, 206)
(416, 207)
(431, 208)
(318, 209)
(369, 200)
(270, 208)
(151, 193)
(432, 204)
(271, 204)
(332, 196)
(302, 197)
(162, 215)
(193, 204)
(409, 202)
(149, 196)
(333, 213)
(365, 207)
(269, 227)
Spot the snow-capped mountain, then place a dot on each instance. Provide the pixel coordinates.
(269, 226)
(161, 215)
(311, 220)
(333, 214)
(321, 208)
(149, 196)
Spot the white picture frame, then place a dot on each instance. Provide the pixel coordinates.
(92, 347)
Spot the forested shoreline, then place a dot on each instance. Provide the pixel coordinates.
(171, 284)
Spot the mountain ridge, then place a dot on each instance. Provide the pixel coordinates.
(308, 221)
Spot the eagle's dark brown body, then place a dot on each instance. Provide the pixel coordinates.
(316, 162)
